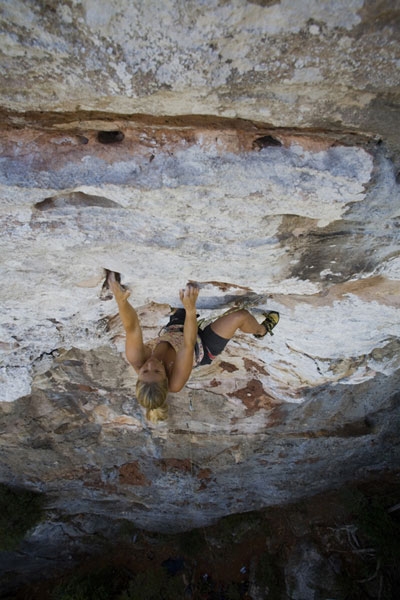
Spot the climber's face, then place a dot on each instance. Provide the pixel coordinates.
(152, 371)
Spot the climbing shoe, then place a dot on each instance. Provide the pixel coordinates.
(271, 319)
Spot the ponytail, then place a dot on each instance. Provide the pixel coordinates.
(153, 397)
(157, 414)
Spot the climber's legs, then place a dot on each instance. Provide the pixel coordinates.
(227, 325)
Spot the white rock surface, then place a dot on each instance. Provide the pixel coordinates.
(309, 227)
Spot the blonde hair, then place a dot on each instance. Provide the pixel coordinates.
(153, 397)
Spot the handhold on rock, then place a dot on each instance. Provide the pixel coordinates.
(265, 141)
(110, 137)
(106, 293)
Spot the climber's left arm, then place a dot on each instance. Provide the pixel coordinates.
(184, 359)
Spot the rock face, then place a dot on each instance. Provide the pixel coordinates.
(239, 147)
(307, 63)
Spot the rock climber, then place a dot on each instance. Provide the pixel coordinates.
(164, 365)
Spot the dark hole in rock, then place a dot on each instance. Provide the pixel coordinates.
(110, 137)
(264, 2)
(76, 199)
(265, 141)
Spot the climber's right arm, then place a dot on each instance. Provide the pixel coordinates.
(136, 352)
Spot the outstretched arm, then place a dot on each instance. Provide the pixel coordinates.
(184, 358)
(134, 348)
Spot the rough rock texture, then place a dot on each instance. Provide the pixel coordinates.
(252, 152)
(306, 63)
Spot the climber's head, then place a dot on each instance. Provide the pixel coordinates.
(152, 389)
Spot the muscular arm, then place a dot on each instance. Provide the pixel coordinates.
(184, 358)
(135, 350)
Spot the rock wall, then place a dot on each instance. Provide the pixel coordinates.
(249, 146)
(308, 63)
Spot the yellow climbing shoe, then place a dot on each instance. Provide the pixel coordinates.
(270, 321)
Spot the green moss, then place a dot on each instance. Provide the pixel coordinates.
(20, 510)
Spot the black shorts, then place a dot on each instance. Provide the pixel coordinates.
(213, 344)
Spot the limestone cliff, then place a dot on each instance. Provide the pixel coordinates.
(249, 146)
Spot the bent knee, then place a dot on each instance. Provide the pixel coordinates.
(240, 315)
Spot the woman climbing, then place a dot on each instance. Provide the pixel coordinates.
(165, 364)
